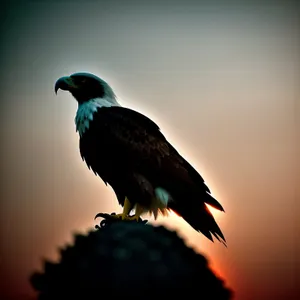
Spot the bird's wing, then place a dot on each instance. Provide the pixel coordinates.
(140, 141)
(138, 138)
(134, 132)
(135, 139)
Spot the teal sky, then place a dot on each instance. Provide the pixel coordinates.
(222, 83)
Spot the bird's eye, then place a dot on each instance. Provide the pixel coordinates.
(79, 79)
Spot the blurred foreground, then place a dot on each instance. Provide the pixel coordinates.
(128, 258)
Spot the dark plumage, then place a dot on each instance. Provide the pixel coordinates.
(129, 152)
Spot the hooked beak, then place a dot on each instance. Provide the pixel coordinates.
(64, 83)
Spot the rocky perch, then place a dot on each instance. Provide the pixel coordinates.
(128, 259)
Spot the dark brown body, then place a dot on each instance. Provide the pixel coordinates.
(128, 151)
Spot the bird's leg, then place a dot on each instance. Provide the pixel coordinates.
(124, 216)
(138, 212)
(126, 210)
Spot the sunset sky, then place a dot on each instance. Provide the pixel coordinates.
(222, 82)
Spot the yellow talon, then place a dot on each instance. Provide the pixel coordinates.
(126, 210)
(124, 216)
(138, 212)
(133, 218)
(119, 216)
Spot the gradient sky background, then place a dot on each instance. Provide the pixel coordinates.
(221, 81)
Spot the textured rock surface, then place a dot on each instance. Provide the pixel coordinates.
(128, 258)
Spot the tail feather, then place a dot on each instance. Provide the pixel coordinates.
(199, 217)
(206, 223)
(209, 199)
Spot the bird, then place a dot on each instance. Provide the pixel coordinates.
(129, 152)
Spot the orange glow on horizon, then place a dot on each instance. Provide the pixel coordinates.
(217, 271)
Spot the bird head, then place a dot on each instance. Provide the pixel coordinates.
(84, 87)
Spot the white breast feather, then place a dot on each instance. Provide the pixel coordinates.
(86, 110)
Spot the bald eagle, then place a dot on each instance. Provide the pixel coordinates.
(130, 153)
